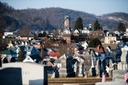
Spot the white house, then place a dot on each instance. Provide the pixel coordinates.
(126, 33)
(110, 40)
(76, 32)
(28, 58)
(85, 30)
(85, 44)
(8, 33)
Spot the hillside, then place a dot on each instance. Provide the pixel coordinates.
(111, 20)
(51, 18)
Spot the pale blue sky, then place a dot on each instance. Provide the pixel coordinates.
(97, 7)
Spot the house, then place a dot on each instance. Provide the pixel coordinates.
(8, 56)
(85, 31)
(24, 38)
(67, 37)
(10, 45)
(76, 32)
(110, 40)
(32, 53)
(126, 33)
(14, 51)
(38, 46)
(96, 34)
(28, 59)
(85, 44)
(5, 56)
(8, 33)
(35, 54)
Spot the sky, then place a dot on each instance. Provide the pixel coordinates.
(97, 7)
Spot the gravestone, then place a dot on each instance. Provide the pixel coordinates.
(0, 62)
(10, 76)
(62, 69)
(69, 66)
(118, 74)
(31, 73)
(118, 79)
(119, 82)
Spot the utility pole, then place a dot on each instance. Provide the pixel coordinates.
(0, 61)
(42, 49)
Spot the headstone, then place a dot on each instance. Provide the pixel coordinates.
(103, 77)
(93, 71)
(10, 76)
(69, 66)
(62, 69)
(31, 73)
(70, 84)
(118, 74)
(119, 82)
(0, 62)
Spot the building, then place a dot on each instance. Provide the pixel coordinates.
(67, 37)
(96, 34)
(67, 33)
(8, 33)
(126, 33)
(66, 22)
(85, 31)
(76, 32)
(110, 40)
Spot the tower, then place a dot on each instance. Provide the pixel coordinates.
(66, 22)
(66, 31)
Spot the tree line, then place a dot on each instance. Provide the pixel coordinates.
(96, 26)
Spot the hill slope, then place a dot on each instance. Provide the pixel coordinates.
(51, 18)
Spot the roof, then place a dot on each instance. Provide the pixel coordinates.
(28, 59)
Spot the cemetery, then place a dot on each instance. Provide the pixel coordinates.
(68, 56)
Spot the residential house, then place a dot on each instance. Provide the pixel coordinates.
(32, 54)
(110, 40)
(8, 33)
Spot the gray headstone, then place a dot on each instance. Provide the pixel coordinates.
(119, 82)
(118, 74)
